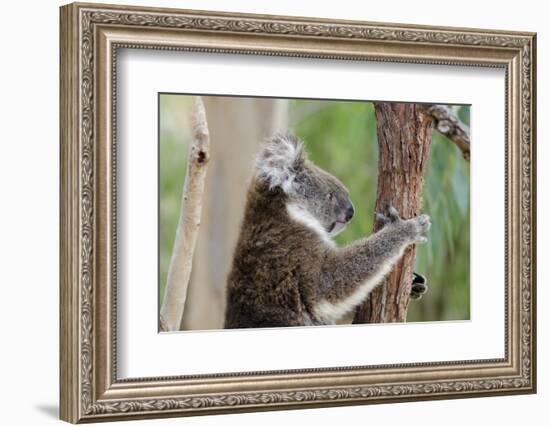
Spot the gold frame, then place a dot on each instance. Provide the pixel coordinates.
(90, 36)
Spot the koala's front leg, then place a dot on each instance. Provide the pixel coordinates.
(350, 273)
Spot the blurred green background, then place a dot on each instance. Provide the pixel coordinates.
(340, 137)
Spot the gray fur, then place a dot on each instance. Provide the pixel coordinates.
(286, 270)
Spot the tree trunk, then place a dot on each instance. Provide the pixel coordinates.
(404, 137)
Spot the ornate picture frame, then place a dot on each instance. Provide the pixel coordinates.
(90, 37)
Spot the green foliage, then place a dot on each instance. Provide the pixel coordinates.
(445, 259)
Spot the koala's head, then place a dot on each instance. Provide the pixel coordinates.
(282, 165)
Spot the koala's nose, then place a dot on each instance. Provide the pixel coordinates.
(349, 212)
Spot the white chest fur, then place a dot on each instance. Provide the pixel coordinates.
(302, 216)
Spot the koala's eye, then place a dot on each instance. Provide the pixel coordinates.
(330, 197)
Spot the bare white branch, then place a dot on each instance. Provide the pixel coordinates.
(187, 230)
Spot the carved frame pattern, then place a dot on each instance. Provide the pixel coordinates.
(81, 399)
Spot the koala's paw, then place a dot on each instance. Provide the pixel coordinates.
(419, 286)
(391, 217)
(414, 229)
(420, 226)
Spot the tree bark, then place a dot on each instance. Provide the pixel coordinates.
(404, 137)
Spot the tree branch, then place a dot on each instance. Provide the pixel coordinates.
(448, 124)
(187, 230)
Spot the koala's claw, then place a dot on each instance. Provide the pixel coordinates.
(393, 213)
(393, 216)
(381, 218)
(419, 286)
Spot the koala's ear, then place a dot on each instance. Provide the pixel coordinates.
(281, 158)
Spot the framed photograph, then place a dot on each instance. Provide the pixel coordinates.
(266, 212)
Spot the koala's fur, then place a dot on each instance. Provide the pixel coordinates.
(286, 269)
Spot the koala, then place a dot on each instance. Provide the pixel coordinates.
(287, 270)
